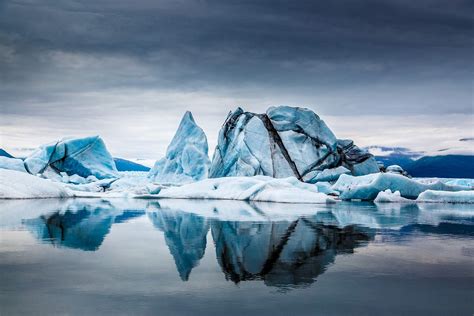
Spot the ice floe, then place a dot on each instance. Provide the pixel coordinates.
(433, 196)
(367, 187)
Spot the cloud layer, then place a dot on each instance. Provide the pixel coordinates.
(128, 70)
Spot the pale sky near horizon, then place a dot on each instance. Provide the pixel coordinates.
(391, 73)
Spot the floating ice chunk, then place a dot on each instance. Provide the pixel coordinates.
(367, 187)
(21, 185)
(446, 197)
(258, 188)
(395, 169)
(388, 196)
(12, 164)
(82, 156)
(186, 158)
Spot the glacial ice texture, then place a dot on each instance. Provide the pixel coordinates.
(285, 141)
(186, 158)
(81, 156)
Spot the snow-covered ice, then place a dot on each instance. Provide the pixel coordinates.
(186, 158)
(388, 196)
(433, 196)
(80, 156)
(258, 188)
(367, 187)
(21, 185)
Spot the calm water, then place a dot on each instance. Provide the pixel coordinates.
(234, 258)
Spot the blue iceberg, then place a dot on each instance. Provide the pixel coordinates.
(75, 156)
(285, 141)
(186, 158)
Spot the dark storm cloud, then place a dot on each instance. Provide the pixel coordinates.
(290, 43)
(67, 59)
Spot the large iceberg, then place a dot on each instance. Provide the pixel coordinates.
(285, 141)
(81, 156)
(186, 158)
(368, 187)
(258, 188)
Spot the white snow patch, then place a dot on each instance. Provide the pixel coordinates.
(20, 185)
(257, 188)
(388, 196)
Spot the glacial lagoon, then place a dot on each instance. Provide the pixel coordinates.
(182, 257)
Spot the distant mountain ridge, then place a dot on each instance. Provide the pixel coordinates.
(418, 164)
(449, 166)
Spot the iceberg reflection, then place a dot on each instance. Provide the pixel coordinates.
(283, 245)
(282, 253)
(82, 225)
(185, 236)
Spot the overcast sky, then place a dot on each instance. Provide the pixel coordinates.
(395, 73)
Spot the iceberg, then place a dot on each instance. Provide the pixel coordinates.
(258, 188)
(395, 169)
(12, 164)
(433, 196)
(367, 187)
(21, 185)
(81, 156)
(285, 141)
(186, 158)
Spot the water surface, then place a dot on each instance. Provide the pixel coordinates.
(181, 257)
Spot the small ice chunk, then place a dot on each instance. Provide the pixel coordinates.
(395, 169)
(388, 196)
